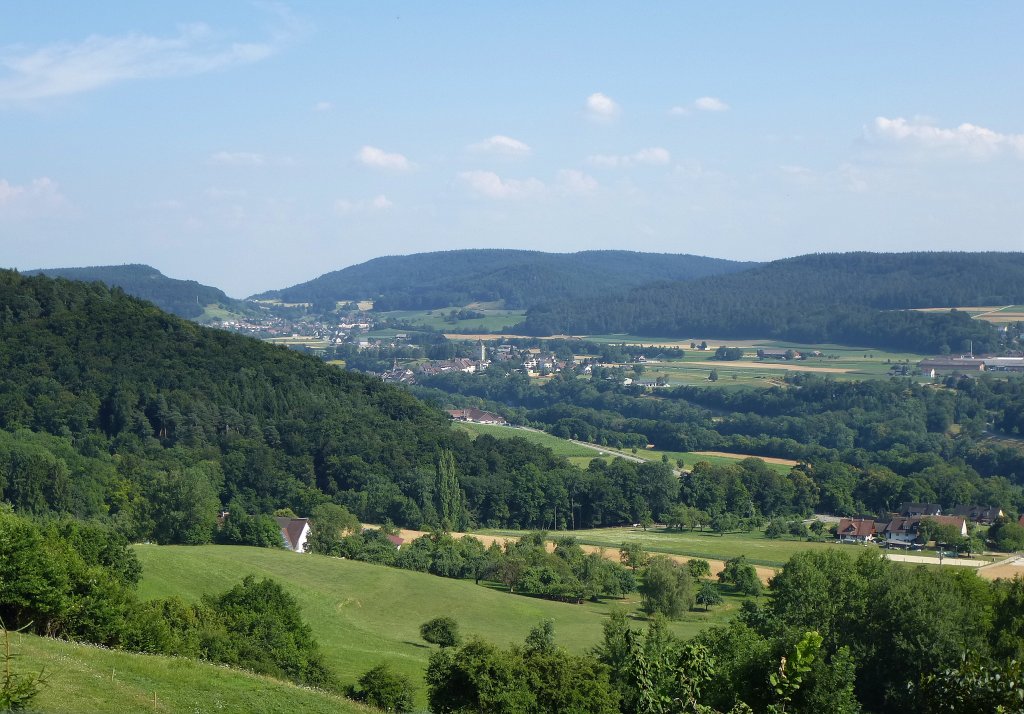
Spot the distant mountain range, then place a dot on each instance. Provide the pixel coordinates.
(846, 298)
(520, 278)
(185, 298)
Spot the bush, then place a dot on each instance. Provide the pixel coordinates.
(387, 690)
(441, 631)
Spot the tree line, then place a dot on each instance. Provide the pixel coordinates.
(851, 298)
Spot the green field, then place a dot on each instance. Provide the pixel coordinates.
(561, 447)
(492, 321)
(757, 548)
(83, 678)
(582, 455)
(365, 614)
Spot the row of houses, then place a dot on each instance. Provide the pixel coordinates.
(985, 515)
(900, 531)
(970, 365)
(477, 415)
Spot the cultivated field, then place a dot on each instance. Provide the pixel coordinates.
(993, 313)
(83, 678)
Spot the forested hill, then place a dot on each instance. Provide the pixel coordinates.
(185, 298)
(110, 408)
(519, 277)
(847, 298)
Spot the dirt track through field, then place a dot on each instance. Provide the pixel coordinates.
(1008, 568)
(764, 573)
(728, 455)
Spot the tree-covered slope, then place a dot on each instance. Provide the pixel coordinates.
(521, 278)
(850, 298)
(112, 409)
(185, 298)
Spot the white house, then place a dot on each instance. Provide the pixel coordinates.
(294, 532)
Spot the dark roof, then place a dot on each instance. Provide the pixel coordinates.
(291, 529)
(920, 509)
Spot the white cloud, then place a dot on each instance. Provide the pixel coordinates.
(489, 184)
(380, 159)
(576, 182)
(38, 194)
(967, 139)
(238, 158)
(651, 156)
(601, 106)
(702, 104)
(67, 68)
(504, 145)
(710, 104)
(377, 203)
(323, 107)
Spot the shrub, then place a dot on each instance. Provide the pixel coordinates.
(387, 690)
(441, 631)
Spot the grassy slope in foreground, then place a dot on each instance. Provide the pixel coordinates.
(365, 614)
(82, 678)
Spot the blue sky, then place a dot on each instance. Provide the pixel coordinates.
(255, 145)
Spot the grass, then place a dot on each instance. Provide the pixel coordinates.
(757, 548)
(492, 321)
(561, 447)
(83, 678)
(366, 614)
(582, 455)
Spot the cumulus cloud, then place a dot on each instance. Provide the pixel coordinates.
(572, 181)
(67, 68)
(379, 159)
(238, 158)
(651, 156)
(701, 104)
(967, 139)
(491, 185)
(503, 145)
(377, 203)
(38, 194)
(601, 106)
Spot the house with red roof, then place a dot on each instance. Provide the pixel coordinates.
(294, 532)
(856, 530)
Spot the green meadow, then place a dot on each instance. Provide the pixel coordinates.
(583, 455)
(83, 678)
(365, 614)
(492, 321)
(561, 447)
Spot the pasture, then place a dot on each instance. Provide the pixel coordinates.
(560, 447)
(364, 614)
(582, 455)
(493, 320)
(84, 678)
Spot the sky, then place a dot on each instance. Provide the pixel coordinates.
(255, 145)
